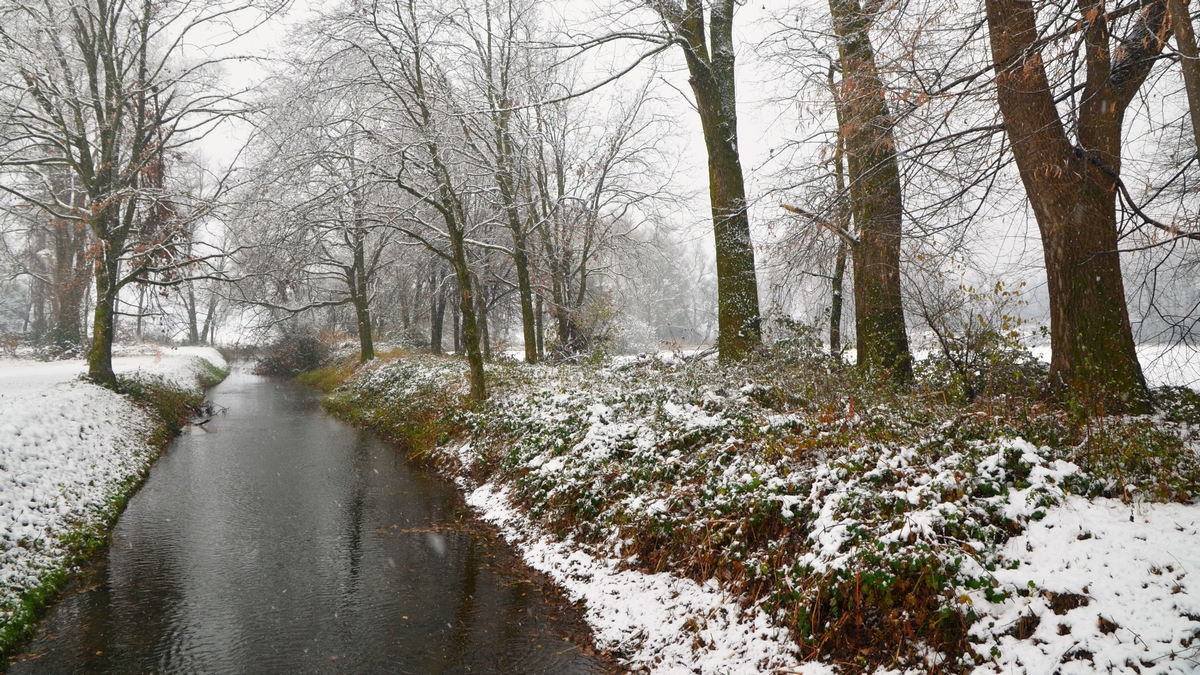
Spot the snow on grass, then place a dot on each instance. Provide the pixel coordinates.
(1102, 586)
(67, 446)
(662, 623)
(878, 530)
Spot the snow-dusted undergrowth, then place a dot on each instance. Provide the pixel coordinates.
(699, 509)
(67, 449)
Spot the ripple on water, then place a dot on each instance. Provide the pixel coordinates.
(279, 540)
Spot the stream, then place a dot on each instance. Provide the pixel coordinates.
(276, 539)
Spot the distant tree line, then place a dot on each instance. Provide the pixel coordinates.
(467, 173)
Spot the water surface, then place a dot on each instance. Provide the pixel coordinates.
(275, 539)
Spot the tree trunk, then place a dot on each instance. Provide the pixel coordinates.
(541, 335)
(466, 307)
(366, 342)
(1073, 194)
(70, 280)
(360, 294)
(712, 81)
(437, 313)
(844, 216)
(207, 335)
(525, 289)
(835, 308)
(875, 200)
(481, 306)
(192, 315)
(100, 368)
(455, 324)
(1189, 60)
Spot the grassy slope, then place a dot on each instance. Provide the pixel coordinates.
(867, 521)
(170, 408)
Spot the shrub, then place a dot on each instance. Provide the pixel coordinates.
(292, 355)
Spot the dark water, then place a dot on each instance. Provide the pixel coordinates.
(283, 541)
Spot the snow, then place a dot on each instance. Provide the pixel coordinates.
(66, 447)
(1162, 365)
(1107, 594)
(661, 623)
(1131, 564)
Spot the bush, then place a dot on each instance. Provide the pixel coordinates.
(292, 355)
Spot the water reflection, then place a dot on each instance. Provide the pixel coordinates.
(281, 541)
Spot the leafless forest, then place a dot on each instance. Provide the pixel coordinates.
(524, 178)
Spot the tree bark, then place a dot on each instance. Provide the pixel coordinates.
(875, 200)
(193, 318)
(541, 339)
(437, 313)
(360, 295)
(100, 368)
(835, 306)
(210, 320)
(1073, 191)
(1189, 60)
(485, 340)
(712, 81)
(525, 290)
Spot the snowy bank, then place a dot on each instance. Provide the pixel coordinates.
(659, 623)
(70, 451)
(784, 517)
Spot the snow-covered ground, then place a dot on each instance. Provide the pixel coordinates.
(66, 447)
(1083, 585)
(662, 623)
(1124, 573)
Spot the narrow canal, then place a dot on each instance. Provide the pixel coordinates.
(275, 539)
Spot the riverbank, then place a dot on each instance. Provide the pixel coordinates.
(71, 455)
(780, 515)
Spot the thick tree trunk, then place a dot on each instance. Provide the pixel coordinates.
(875, 200)
(1073, 194)
(712, 81)
(100, 368)
(1094, 359)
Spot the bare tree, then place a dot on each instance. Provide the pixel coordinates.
(867, 140)
(100, 89)
(1073, 186)
(397, 42)
(704, 32)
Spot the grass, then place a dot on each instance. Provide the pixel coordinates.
(170, 408)
(739, 473)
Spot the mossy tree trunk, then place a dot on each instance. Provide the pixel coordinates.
(710, 61)
(876, 202)
(1073, 190)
